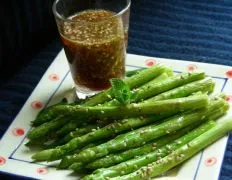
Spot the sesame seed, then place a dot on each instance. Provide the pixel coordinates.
(154, 144)
(125, 144)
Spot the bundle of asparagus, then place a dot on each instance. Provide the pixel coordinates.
(141, 127)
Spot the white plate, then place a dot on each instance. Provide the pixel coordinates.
(15, 157)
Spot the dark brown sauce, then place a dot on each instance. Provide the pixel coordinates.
(95, 48)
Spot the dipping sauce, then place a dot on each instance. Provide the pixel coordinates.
(94, 43)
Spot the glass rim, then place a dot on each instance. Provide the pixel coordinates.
(104, 19)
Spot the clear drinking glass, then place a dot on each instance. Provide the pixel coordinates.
(94, 34)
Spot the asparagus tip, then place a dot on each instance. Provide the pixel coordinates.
(43, 155)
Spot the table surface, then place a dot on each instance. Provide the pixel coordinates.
(177, 29)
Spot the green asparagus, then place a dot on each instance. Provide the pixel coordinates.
(133, 72)
(162, 77)
(131, 139)
(181, 154)
(70, 126)
(129, 166)
(78, 132)
(131, 110)
(75, 124)
(105, 132)
(162, 84)
(120, 157)
(206, 84)
(113, 159)
(41, 141)
(134, 81)
(40, 119)
(145, 92)
(149, 111)
(117, 158)
(45, 128)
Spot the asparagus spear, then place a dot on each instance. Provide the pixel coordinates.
(131, 110)
(134, 81)
(45, 128)
(43, 114)
(113, 159)
(145, 92)
(162, 84)
(181, 154)
(133, 72)
(206, 84)
(123, 156)
(105, 132)
(134, 164)
(130, 139)
(78, 132)
(41, 141)
(70, 126)
(164, 76)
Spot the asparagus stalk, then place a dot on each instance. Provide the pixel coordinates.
(145, 92)
(131, 110)
(134, 81)
(70, 126)
(41, 141)
(105, 132)
(206, 84)
(90, 145)
(78, 132)
(113, 159)
(45, 128)
(74, 124)
(185, 90)
(133, 72)
(164, 76)
(181, 154)
(130, 139)
(43, 114)
(134, 164)
(162, 84)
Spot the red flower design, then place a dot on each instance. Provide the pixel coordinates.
(18, 131)
(210, 161)
(192, 67)
(229, 99)
(36, 105)
(229, 74)
(54, 77)
(150, 62)
(2, 160)
(42, 170)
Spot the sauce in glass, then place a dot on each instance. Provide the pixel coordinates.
(95, 48)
